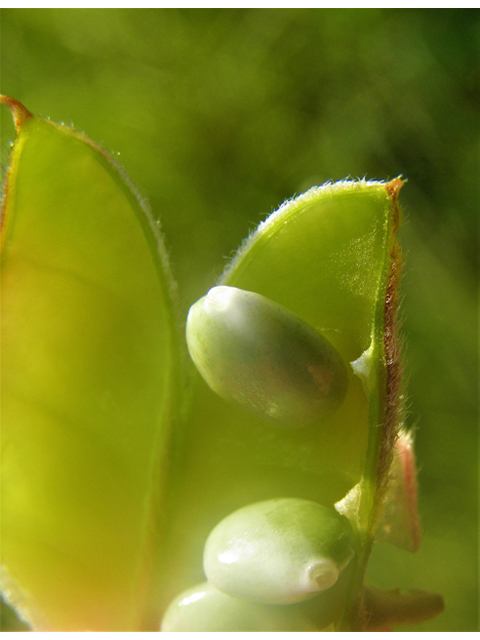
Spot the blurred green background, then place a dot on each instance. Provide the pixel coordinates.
(220, 115)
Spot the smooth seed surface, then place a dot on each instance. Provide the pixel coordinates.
(279, 551)
(255, 352)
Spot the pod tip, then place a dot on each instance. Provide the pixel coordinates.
(393, 187)
(19, 112)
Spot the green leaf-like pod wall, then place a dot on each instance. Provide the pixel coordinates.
(89, 368)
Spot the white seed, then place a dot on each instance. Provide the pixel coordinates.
(256, 352)
(280, 551)
(204, 608)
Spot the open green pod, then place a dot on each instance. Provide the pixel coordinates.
(89, 386)
(279, 551)
(105, 505)
(331, 259)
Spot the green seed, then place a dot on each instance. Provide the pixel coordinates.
(278, 552)
(204, 608)
(253, 351)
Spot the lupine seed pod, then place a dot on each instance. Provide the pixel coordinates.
(279, 551)
(330, 256)
(258, 353)
(204, 608)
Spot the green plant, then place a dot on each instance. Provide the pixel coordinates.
(119, 461)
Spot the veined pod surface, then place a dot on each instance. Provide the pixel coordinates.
(279, 551)
(204, 608)
(89, 351)
(261, 355)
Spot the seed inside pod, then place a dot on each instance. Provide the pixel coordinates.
(278, 552)
(204, 608)
(256, 352)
